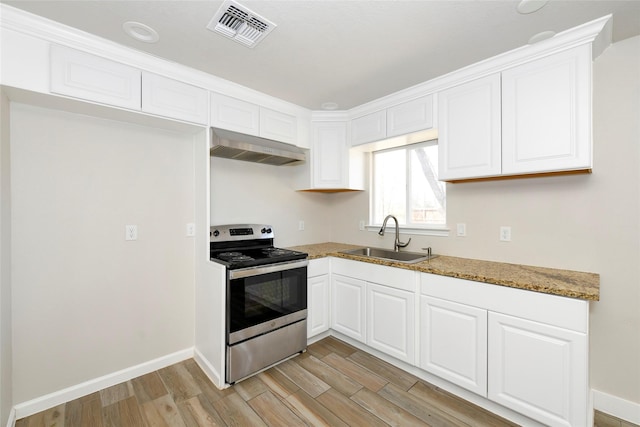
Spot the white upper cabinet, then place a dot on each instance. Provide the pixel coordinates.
(410, 116)
(330, 154)
(278, 126)
(532, 118)
(368, 128)
(546, 114)
(246, 117)
(334, 167)
(174, 99)
(235, 114)
(96, 79)
(401, 119)
(469, 130)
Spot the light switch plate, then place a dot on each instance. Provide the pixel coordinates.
(505, 234)
(130, 232)
(461, 229)
(191, 229)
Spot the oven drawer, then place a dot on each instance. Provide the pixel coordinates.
(250, 356)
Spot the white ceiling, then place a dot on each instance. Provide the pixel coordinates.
(346, 51)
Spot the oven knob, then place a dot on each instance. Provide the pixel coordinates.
(266, 231)
(216, 233)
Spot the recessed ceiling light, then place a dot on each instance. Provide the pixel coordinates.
(141, 32)
(530, 6)
(329, 106)
(541, 36)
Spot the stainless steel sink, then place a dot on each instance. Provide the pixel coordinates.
(388, 254)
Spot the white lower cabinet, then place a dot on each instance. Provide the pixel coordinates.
(318, 297)
(348, 306)
(538, 370)
(391, 321)
(524, 350)
(453, 343)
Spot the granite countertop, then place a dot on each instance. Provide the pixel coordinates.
(567, 283)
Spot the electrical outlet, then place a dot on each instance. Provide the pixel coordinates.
(191, 229)
(361, 225)
(130, 232)
(301, 225)
(461, 229)
(505, 234)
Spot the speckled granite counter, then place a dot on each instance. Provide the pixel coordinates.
(573, 284)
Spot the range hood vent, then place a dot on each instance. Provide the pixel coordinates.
(238, 146)
(239, 23)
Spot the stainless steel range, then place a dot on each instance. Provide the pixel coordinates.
(266, 298)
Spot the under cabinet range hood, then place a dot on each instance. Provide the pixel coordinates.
(239, 146)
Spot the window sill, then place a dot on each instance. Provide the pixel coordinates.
(442, 231)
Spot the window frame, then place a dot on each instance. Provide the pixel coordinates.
(417, 229)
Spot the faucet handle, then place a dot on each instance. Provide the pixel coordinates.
(403, 245)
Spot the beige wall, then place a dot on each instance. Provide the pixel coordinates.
(243, 192)
(87, 303)
(588, 223)
(6, 361)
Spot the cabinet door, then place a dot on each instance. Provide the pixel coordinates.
(538, 370)
(546, 118)
(234, 114)
(317, 305)
(93, 78)
(391, 321)
(410, 116)
(469, 130)
(171, 98)
(369, 128)
(348, 306)
(453, 343)
(330, 155)
(278, 126)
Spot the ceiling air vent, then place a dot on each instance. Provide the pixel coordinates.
(240, 24)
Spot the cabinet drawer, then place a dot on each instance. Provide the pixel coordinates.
(397, 278)
(93, 78)
(318, 267)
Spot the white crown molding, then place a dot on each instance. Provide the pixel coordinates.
(36, 26)
(597, 32)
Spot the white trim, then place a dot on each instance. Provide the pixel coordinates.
(442, 231)
(50, 400)
(209, 370)
(11, 422)
(616, 406)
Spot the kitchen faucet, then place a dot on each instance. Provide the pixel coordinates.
(397, 244)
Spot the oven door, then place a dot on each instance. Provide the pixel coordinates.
(264, 298)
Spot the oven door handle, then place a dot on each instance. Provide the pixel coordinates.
(264, 269)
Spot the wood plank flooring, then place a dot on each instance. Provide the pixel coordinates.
(332, 384)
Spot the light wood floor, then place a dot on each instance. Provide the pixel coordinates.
(332, 384)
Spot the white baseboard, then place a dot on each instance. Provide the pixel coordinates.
(11, 422)
(619, 408)
(50, 400)
(208, 369)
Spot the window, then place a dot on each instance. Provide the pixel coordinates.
(405, 184)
